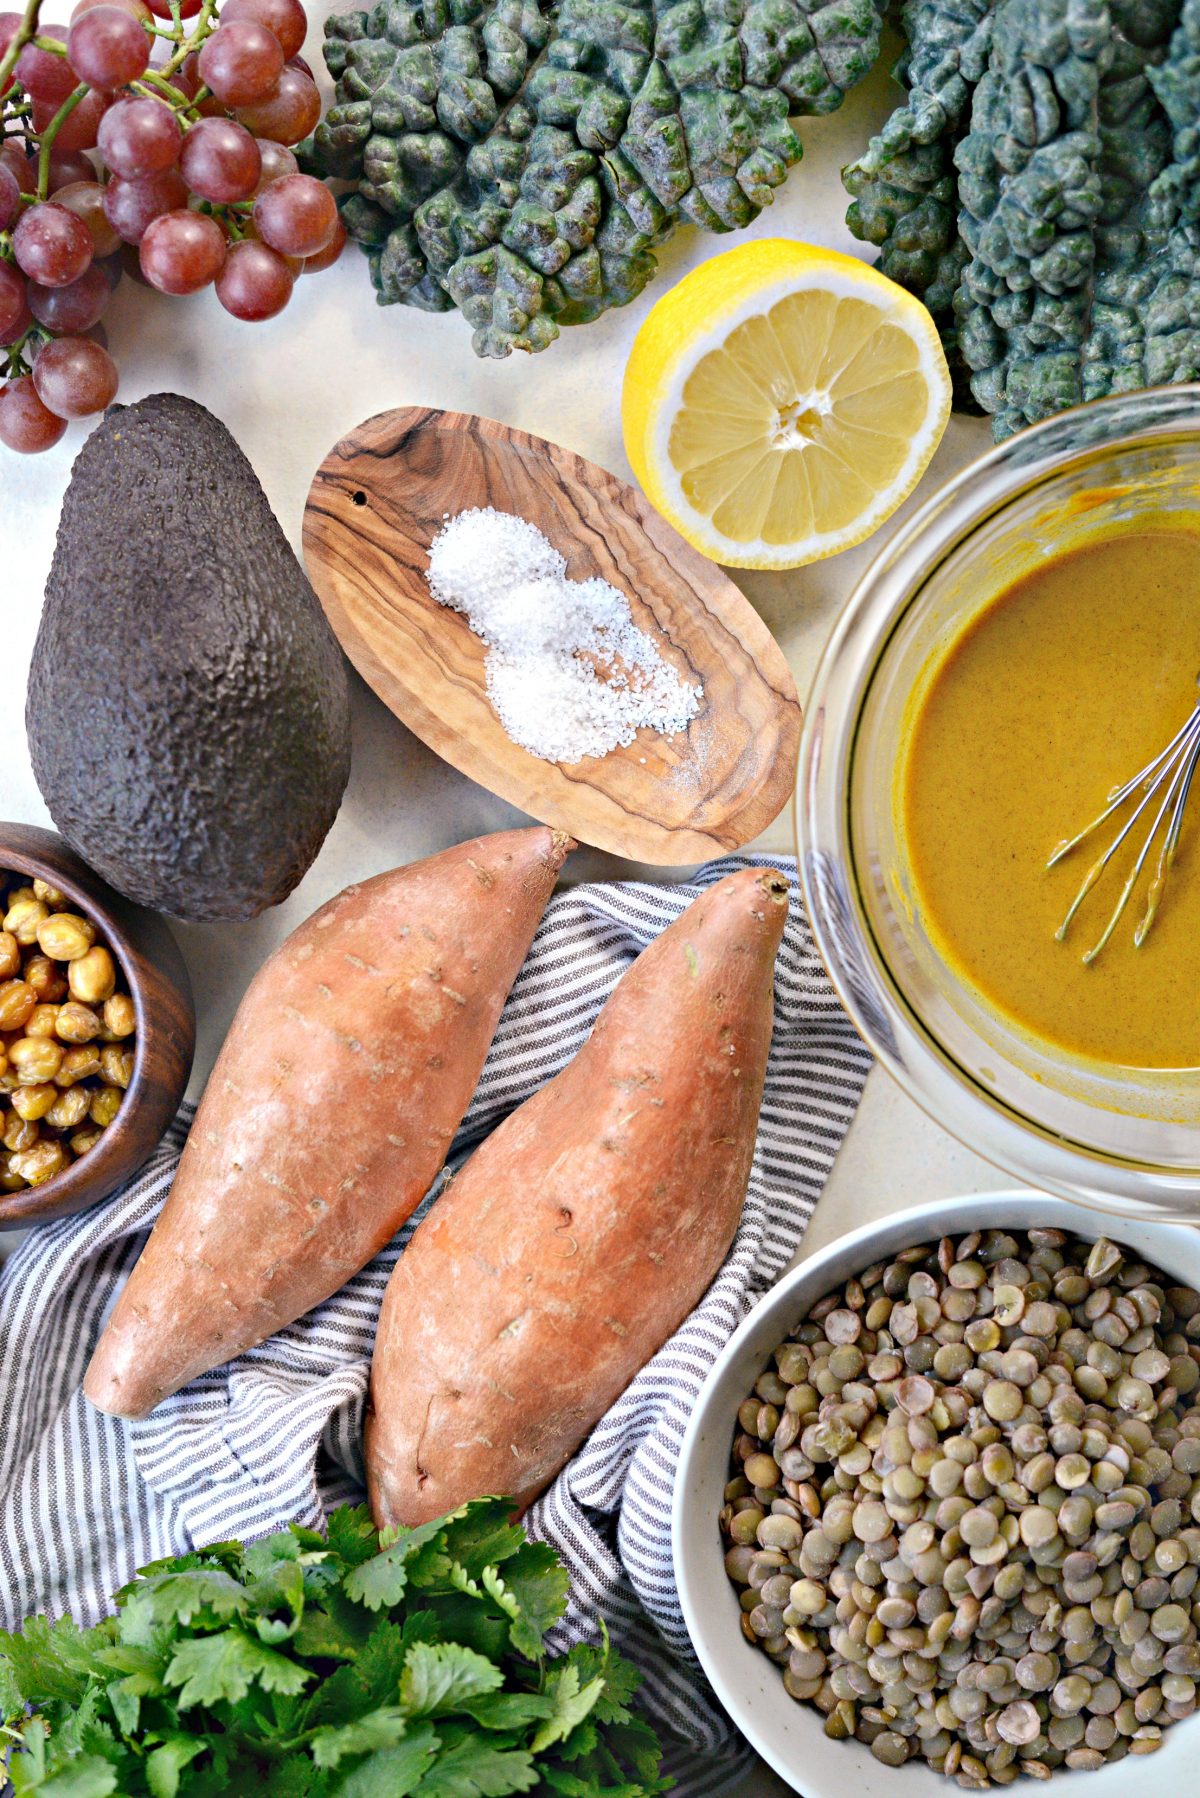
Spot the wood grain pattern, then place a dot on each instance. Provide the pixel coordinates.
(154, 972)
(375, 506)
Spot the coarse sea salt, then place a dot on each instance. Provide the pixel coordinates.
(569, 673)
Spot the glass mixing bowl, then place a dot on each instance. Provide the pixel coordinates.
(1127, 1140)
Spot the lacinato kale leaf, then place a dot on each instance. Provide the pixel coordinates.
(523, 159)
(350, 1665)
(1039, 189)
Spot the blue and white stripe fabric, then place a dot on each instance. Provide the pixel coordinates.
(276, 1434)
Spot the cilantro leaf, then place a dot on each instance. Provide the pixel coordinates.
(382, 1728)
(201, 1592)
(436, 1680)
(168, 1761)
(224, 1666)
(483, 1534)
(475, 1769)
(508, 1710)
(352, 1535)
(538, 1582)
(42, 1664)
(392, 1772)
(572, 1703)
(382, 1580)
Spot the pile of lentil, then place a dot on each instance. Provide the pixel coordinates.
(965, 1506)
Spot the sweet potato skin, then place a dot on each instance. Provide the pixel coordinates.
(330, 1110)
(585, 1228)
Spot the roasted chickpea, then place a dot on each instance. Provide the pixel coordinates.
(10, 1181)
(77, 1023)
(120, 1018)
(42, 1020)
(33, 1102)
(104, 1106)
(93, 976)
(78, 1064)
(66, 1034)
(17, 1000)
(47, 978)
(35, 1059)
(69, 1109)
(23, 918)
(40, 1163)
(116, 1066)
(18, 1133)
(65, 936)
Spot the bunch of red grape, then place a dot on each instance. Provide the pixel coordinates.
(195, 182)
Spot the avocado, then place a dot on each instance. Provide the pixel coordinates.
(187, 712)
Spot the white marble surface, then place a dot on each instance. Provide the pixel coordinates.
(288, 390)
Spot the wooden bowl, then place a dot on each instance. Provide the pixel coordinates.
(377, 502)
(157, 979)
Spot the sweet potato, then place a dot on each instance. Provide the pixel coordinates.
(585, 1228)
(334, 1100)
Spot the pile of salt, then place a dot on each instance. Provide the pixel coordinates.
(568, 672)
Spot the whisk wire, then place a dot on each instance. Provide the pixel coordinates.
(1173, 769)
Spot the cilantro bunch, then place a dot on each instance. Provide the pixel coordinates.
(363, 1664)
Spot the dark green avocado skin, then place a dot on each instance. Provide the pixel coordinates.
(187, 711)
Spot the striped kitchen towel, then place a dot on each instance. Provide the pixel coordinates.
(276, 1434)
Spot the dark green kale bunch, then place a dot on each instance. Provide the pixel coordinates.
(522, 161)
(1039, 191)
(352, 1665)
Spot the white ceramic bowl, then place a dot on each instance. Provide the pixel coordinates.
(791, 1736)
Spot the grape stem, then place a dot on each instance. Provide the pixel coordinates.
(48, 136)
(24, 35)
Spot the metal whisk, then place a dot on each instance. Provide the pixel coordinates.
(1173, 771)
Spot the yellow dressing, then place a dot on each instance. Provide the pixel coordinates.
(1060, 689)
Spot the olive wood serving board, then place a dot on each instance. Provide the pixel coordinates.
(377, 502)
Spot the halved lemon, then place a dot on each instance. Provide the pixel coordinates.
(780, 401)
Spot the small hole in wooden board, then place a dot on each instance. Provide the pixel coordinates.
(360, 498)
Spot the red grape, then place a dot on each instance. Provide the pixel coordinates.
(13, 157)
(328, 256)
(10, 197)
(10, 24)
(277, 161)
(296, 216)
(289, 112)
(182, 252)
(284, 19)
(139, 137)
(67, 166)
(130, 205)
(51, 245)
(255, 282)
(74, 377)
(220, 160)
(15, 316)
(73, 308)
(107, 48)
(162, 8)
(241, 62)
(78, 130)
(86, 200)
(25, 423)
(298, 62)
(42, 74)
(114, 265)
(136, 8)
